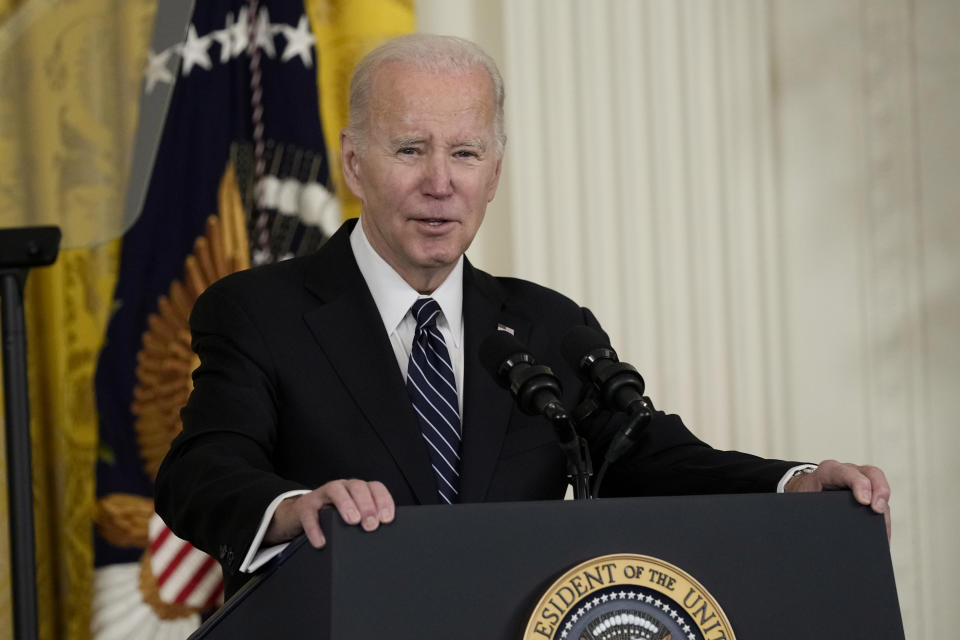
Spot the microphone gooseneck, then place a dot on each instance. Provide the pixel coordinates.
(619, 387)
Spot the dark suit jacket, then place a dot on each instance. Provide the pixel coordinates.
(298, 385)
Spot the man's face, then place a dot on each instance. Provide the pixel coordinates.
(428, 169)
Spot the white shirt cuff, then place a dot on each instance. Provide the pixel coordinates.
(256, 557)
(782, 485)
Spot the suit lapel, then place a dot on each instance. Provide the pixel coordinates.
(487, 405)
(350, 332)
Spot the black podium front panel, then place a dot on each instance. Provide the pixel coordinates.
(780, 566)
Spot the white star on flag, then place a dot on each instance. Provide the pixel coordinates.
(224, 38)
(195, 51)
(157, 70)
(299, 42)
(265, 34)
(239, 33)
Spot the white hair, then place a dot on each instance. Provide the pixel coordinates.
(426, 52)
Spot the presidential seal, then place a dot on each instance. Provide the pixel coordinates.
(627, 597)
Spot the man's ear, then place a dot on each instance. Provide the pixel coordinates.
(495, 181)
(350, 163)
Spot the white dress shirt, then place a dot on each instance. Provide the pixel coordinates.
(394, 297)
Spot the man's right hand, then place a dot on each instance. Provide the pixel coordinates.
(367, 504)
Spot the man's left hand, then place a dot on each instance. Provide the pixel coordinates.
(868, 484)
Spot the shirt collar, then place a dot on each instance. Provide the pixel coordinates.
(394, 297)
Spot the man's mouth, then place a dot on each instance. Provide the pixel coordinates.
(434, 222)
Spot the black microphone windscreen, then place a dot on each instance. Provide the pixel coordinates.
(496, 349)
(580, 341)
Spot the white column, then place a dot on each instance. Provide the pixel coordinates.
(641, 172)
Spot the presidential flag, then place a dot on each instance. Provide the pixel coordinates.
(240, 175)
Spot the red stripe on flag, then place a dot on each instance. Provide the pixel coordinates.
(156, 544)
(214, 597)
(205, 567)
(174, 563)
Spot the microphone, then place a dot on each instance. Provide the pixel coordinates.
(534, 386)
(619, 384)
(619, 387)
(537, 391)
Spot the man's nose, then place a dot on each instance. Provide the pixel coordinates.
(438, 178)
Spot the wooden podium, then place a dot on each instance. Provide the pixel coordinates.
(783, 567)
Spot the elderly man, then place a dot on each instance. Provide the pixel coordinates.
(351, 377)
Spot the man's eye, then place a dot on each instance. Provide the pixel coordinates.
(463, 153)
(407, 151)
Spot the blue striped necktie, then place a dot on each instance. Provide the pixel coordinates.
(433, 392)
